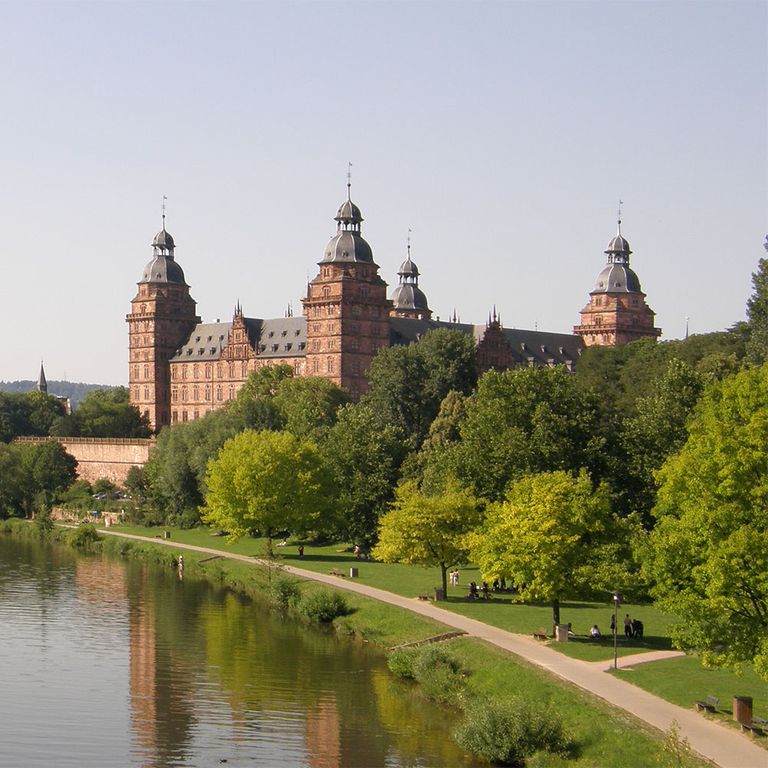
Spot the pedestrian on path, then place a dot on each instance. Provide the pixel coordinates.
(627, 627)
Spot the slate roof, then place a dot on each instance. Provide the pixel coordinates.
(528, 347)
(207, 340)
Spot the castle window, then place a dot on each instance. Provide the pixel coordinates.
(302, 345)
(243, 369)
(175, 395)
(207, 371)
(197, 339)
(288, 346)
(329, 365)
(375, 312)
(219, 393)
(183, 394)
(195, 371)
(146, 371)
(231, 371)
(135, 393)
(196, 415)
(183, 371)
(195, 394)
(315, 367)
(231, 392)
(283, 333)
(135, 371)
(274, 347)
(175, 416)
(271, 334)
(218, 370)
(296, 332)
(207, 394)
(146, 393)
(184, 416)
(326, 292)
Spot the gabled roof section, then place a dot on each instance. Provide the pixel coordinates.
(204, 343)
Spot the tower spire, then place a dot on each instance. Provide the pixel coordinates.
(618, 219)
(164, 199)
(42, 384)
(349, 181)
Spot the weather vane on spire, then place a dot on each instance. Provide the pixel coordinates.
(621, 202)
(409, 242)
(164, 199)
(349, 181)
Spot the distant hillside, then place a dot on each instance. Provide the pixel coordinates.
(74, 390)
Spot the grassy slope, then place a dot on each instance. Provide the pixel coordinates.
(692, 683)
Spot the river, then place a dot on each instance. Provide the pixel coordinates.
(109, 663)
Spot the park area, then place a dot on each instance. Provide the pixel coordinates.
(681, 680)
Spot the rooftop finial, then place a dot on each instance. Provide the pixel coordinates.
(621, 202)
(409, 242)
(164, 199)
(349, 181)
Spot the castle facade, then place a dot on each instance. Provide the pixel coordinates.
(181, 368)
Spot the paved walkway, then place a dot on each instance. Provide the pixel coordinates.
(724, 746)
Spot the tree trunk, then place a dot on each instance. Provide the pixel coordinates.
(555, 614)
(444, 573)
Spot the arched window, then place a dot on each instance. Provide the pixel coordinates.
(196, 394)
(183, 394)
(219, 393)
(329, 364)
(146, 393)
(231, 392)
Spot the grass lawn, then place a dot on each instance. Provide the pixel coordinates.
(684, 681)
(410, 581)
(605, 736)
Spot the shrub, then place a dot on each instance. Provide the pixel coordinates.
(400, 662)
(505, 733)
(84, 536)
(439, 674)
(284, 591)
(323, 606)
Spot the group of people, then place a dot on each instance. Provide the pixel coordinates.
(633, 628)
(476, 592)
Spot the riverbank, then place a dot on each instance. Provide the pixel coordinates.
(606, 736)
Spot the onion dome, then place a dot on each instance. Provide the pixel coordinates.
(162, 268)
(616, 276)
(408, 298)
(347, 245)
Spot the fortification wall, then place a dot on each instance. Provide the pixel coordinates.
(110, 458)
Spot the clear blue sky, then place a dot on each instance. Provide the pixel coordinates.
(502, 133)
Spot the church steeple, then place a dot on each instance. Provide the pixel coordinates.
(42, 384)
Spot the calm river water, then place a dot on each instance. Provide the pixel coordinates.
(105, 663)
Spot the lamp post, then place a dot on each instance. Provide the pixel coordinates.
(616, 604)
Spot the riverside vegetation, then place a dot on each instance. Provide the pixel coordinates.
(478, 684)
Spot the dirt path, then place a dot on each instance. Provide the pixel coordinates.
(724, 746)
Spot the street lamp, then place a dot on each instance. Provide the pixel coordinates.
(616, 604)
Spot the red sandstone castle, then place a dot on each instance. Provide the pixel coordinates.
(182, 368)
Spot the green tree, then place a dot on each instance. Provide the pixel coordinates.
(47, 470)
(11, 481)
(364, 458)
(656, 430)
(308, 404)
(708, 554)
(104, 413)
(407, 383)
(524, 421)
(255, 406)
(268, 482)
(429, 530)
(757, 313)
(546, 538)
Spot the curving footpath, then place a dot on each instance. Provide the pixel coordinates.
(712, 740)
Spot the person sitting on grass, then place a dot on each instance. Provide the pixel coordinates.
(594, 633)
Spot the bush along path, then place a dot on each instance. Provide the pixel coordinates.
(726, 747)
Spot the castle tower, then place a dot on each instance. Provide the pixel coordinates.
(408, 299)
(346, 307)
(162, 317)
(617, 312)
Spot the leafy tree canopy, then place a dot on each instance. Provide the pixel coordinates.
(547, 538)
(268, 482)
(524, 421)
(407, 383)
(428, 530)
(308, 404)
(708, 554)
(757, 313)
(364, 458)
(104, 413)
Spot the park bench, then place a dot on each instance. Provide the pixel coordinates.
(758, 725)
(423, 596)
(710, 705)
(541, 635)
(336, 572)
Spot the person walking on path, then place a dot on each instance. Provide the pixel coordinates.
(627, 627)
